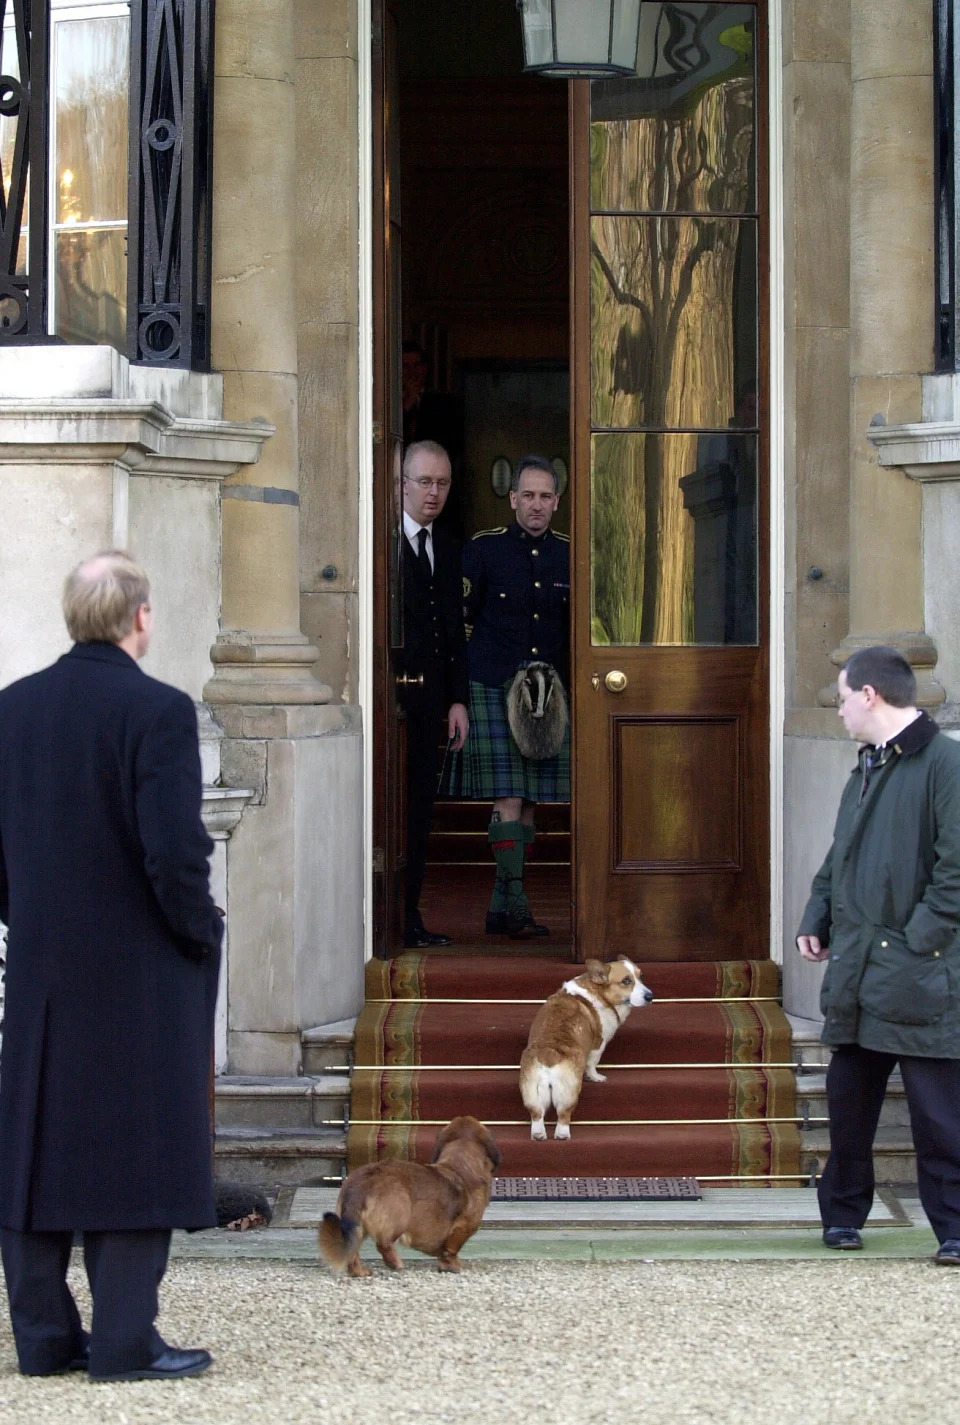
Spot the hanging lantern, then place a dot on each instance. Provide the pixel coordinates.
(572, 39)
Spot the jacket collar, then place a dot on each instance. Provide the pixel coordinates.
(914, 737)
(102, 653)
(518, 533)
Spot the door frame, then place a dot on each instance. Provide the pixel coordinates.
(777, 444)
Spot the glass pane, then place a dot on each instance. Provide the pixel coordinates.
(624, 48)
(674, 539)
(537, 32)
(583, 31)
(91, 62)
(680, 137)
(91, 291)
(674, 321)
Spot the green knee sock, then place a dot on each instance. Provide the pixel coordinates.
(507, 838)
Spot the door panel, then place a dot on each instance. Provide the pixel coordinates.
(671, 777)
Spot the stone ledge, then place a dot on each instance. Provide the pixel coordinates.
(268, 722)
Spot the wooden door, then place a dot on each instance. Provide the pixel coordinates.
(388, 780)
(670, 665)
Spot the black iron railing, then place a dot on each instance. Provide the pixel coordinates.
(945, 68)
(171, 169)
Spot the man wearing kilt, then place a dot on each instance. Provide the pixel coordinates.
(517, 604)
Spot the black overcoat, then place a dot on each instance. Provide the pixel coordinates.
(113, 951)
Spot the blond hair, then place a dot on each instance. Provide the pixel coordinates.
(101, 597)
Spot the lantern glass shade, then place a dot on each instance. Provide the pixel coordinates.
(571, 38)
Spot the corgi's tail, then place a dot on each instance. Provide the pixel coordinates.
(338, 1239)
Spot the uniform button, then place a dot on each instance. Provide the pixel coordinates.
(536, 615)
(884, 944)
(503, 596)
(536, 583)
(534, 551)
(936, 954)
(534, 650)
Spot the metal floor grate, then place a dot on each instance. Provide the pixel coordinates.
(596, 1189)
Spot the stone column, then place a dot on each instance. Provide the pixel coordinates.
(295, 862)
(891, 303)
(261, 656)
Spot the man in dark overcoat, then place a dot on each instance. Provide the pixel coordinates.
(884, 913)
(433, 663)
(112, 961)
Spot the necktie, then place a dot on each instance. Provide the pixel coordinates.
(423, 559)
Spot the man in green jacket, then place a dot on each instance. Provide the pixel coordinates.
(884, 913)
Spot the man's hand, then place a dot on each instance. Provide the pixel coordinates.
(458, 725)
(810, 947)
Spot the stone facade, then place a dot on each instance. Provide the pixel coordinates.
(242, 491)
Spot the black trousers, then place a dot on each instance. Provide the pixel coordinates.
(425, 712)
(856, 1084)
(124, 1270)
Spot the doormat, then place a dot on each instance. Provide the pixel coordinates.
(596, 1189)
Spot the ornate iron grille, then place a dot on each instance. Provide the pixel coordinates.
(171, 167)
(945, 167)
(24, 98)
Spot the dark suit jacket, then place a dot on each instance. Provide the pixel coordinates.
(112, 955)
(445, 678)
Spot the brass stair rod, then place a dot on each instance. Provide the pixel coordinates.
(695, 999)
(580, 1122)
(515, 1068)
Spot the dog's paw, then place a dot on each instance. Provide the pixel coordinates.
(594, 1077)
(538, 1130)
(563, 1130)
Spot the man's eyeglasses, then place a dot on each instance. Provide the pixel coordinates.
(425, 484)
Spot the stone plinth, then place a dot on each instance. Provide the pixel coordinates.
(294, 878)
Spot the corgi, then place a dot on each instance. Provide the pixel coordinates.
(568, 1035)
(433, 1207)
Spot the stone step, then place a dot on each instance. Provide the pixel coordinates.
(812, 1099)
(327, 1047)
(285, 1156)
(246, 1102)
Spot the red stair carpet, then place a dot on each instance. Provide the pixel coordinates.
(710, 1093)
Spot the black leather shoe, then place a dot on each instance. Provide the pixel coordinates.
(948, 1254)
(169, 1365)
(420, 939)
(842, 1239)
(524, 927)
(498, 922)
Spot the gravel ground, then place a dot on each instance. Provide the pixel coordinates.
(566, 1343)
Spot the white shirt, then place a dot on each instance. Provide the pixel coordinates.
(411, 529)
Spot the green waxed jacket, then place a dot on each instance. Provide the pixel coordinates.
(887, 901)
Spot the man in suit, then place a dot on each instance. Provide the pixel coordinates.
(112, 960)
(435, 653)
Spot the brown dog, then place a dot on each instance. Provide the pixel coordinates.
(568, 1035)
(434, 1209)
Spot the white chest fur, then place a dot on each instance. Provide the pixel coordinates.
(610, 1018)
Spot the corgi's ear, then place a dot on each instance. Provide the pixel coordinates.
(596, 971)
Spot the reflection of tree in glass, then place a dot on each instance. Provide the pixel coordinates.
(91, 152)
(673, 333)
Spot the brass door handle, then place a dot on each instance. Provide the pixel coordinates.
(615, 681)
(407, 680)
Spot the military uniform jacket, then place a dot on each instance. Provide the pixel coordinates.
(516, 602)
(887, 901)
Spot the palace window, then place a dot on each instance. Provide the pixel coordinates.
(89, 83)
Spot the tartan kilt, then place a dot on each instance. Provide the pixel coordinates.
(491, 765)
